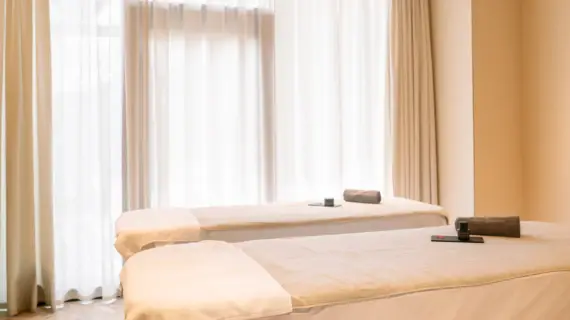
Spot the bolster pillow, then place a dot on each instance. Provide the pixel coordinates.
(362, 196)
(494, 227)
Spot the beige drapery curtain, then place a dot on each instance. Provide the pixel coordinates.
(27, 110)
(136, 182)
(412, 102)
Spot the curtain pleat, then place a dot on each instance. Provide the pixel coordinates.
(412, 102)
(136, 175)
(43, 95)
(29, 255)
(3, 238)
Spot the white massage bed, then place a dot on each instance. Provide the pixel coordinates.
(143, 229)
(396, 275)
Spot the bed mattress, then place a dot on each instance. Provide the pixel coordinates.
(144, 229)
(395, 274)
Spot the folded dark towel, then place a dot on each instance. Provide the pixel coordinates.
(362, 196)
(497, 227)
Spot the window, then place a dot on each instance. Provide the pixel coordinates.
(332, 120)
(225, 129)
(209, 88)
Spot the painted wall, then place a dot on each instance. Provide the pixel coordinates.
(546, 109)
(497, 111)
(519, 55)
(451, 33)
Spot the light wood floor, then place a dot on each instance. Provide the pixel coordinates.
(77, 311)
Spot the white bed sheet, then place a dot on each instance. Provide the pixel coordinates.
(387, 275)
(380, 223)
(539, 297)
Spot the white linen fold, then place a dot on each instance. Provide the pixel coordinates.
(210, 280)
(148, 227)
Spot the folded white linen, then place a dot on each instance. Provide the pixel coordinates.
(139, 228)
(210, 280)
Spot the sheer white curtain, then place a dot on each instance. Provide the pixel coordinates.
(215, 136)
(210, 86)
(333, 122)
(87, 147)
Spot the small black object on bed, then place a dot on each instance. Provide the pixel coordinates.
(329, 202)
(463, 235)
(438, 238)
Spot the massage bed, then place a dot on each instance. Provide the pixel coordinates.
(142, 229)
(397, 274)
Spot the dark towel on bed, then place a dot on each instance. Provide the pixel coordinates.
(362, 196)
(497, 227)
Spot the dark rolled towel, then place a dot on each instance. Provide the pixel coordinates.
(495, 227)
(362, 196)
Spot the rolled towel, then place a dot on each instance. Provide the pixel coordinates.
(495, 227)
(362, 196)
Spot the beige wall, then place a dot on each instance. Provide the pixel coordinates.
(497, 81)
(546, 105)
(520, 128)
(451, 32)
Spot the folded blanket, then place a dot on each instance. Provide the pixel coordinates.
(142, 229)
(210, 280)
(497, 227)
(362, 196)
